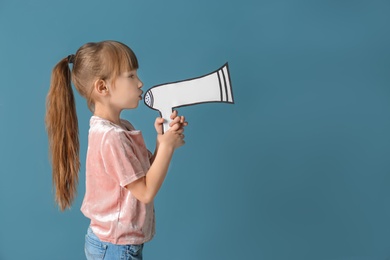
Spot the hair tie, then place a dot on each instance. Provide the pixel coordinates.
(71, 58)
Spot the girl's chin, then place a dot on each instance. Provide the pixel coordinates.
(131, 106)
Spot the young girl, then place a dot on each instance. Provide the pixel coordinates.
(122, 176)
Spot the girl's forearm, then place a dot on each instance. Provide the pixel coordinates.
(158, 171)
(155, 152)
(146, 188)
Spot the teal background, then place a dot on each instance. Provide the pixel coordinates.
(298, 168)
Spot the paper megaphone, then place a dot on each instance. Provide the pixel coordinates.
(213, 87)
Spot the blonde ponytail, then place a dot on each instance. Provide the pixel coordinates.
(62, 128)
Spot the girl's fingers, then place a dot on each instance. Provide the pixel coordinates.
(176, 120)
(159, 120)
(158, 125)
(180, 131)
(174, 114)
(175, 127)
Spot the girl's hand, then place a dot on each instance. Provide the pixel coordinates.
(158, 125)
(174, 137)
(171, 139)
(179, 121)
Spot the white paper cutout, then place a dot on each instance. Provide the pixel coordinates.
(213, 87)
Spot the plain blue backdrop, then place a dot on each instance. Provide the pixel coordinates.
(298, 168)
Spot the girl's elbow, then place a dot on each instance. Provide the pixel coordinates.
(146, 199)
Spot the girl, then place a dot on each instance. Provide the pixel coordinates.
(122, 176)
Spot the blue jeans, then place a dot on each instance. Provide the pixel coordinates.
(96, 249)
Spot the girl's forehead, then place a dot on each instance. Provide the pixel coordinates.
(130, 71)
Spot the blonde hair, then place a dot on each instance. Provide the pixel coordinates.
(101, 60)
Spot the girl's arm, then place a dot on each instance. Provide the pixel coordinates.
(146, 188)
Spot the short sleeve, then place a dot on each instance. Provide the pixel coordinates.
(119, 160)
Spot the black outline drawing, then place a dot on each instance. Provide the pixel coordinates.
(225, 89)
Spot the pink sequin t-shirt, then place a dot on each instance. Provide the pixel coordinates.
(116, 157)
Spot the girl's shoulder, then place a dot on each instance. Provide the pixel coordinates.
(104, 124)
(106, 131)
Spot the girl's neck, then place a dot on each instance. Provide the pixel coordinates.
(116, 121)
(107, 114)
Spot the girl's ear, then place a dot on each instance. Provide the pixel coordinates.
(101, 87)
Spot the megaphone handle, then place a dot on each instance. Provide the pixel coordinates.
(166, 124)
(167, 119)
